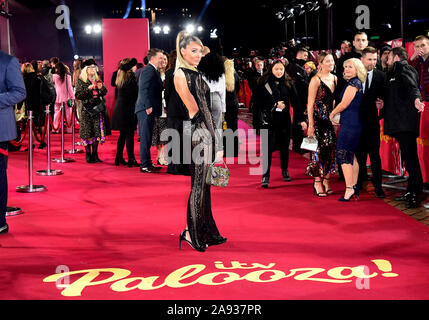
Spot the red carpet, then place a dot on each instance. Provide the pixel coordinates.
(126, 225)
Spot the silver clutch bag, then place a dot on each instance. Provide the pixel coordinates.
(218, 176)
(309, 144)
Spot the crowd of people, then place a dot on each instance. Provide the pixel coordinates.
(192, 89)
(360, 85)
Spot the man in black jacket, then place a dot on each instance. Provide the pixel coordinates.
(302, 81)
(370, 138)
(148, 106)
(360, 42)
(402, 107)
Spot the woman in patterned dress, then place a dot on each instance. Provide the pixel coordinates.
(91, 91)
(320, 105)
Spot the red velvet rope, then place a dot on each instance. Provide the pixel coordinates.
(69, 125)
(19, 143)
(52, 124)
(42, 138)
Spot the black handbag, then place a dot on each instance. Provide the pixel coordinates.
(96, 109)
(266, 115)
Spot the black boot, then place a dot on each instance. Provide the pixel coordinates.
(132, 162)
(120, 160)
(88, 154)
(95, 157)
(285, 174)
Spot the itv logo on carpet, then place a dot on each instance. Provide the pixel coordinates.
(121, 280)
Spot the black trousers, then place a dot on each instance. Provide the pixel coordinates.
(297, 136)
(125, 137)
(369, 146)
(180, 168)
(277, 139)
(3, 185)
(408, 145)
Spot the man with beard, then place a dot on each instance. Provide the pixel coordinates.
(384, 55)
(370, 139)
(402, 107)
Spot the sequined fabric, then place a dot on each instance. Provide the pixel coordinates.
(201, 225)
(322, 162)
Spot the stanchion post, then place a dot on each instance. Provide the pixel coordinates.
(73, 150)
(30, 188)
(49, 172)
(13, 211)
(62, 159)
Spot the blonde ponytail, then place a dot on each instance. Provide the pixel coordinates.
(182, 41)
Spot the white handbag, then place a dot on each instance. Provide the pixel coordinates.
(309, 144)
(336, 119)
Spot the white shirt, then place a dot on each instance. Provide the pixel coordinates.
(370, 75)
(220, 87)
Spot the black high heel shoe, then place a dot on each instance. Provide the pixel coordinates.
(343, 199)
(357, 190)
(328, 191)
(319, 194)
(183, 238)
(264, 182)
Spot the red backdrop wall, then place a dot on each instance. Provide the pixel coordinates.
(122, 38)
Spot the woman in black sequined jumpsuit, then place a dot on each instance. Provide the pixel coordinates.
(194, 93)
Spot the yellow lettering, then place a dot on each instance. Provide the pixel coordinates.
(173, 279)
(145, 284)
(255, 276)
(229, 277)
(75, 288)
(313, 271)
(239, 265)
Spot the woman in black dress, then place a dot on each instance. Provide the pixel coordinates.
(274, 93)
(201, 230)
(124, 118)
(319, 107)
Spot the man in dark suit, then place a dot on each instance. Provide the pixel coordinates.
(149, 106)
(12, 91)
(402, 107)
(370, 138)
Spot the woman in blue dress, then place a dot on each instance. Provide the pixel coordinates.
(351, 126)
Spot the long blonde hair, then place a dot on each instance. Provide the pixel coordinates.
(360, 69)
(84, 75)
(182, 41)
(123, 76)
(229, 75)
